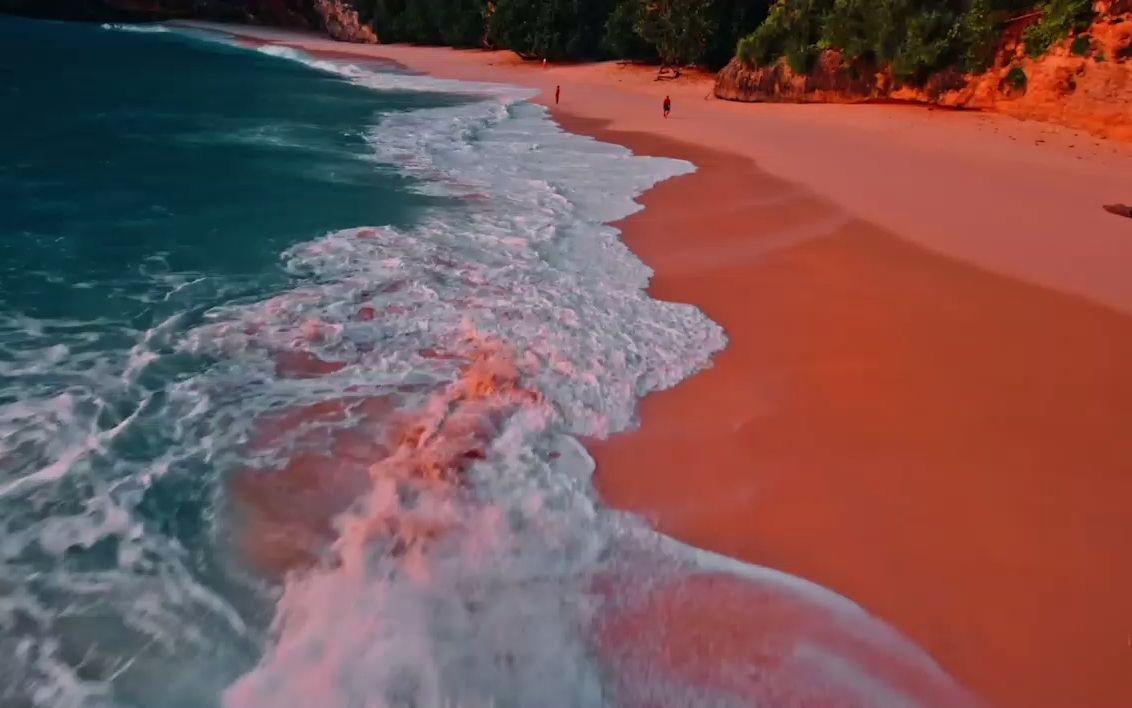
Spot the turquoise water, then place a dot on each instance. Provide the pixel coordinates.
(130, 154)
(146, 179)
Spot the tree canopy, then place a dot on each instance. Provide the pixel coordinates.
(913, 37)
(675, 31)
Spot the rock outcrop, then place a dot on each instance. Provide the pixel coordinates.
(1083, 82)
(341, 22)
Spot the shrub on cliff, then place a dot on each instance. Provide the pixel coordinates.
(1015, 80)
(913, 38)
(792, 29)
(976, 34)
(1059, 18)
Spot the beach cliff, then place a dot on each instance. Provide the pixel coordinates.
(1082, 81)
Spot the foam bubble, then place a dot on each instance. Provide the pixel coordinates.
(151, 29)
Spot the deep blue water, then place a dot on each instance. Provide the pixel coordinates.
(128, 153)
(146, 179)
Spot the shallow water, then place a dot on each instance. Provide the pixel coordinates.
(293, 359)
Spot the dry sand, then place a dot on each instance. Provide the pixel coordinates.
(926, 403)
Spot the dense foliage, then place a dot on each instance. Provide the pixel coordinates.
(1059, 18)
(555, 29)
(913, 37)
(457, 23)
(674, 31)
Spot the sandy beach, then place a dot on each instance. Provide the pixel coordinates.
(925, 401)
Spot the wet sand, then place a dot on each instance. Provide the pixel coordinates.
(945, 446)
(926, 399)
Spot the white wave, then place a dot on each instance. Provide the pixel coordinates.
(394, 81)
(135, 28)
(499, 608)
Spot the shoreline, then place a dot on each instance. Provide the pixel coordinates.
(903, 428)
(823, 364)
(1038, 187)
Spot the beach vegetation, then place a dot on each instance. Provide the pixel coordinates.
(620, 38)
(791, 30)
(976, 34)
(676, 32)
(456, 23)
(1016, 78)
(679, 29)
(681, 32)
(1082, 45)
(912, 38)
(734, 19)
(550, 29)
(1059, 18)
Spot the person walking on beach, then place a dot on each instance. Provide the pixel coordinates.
(667, 106)
(557, 93)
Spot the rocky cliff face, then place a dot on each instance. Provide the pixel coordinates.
(341, 22)
(1084, 82)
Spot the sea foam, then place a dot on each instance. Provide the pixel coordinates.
(479, 584)
(445, 370)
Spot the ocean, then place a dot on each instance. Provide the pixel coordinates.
(295, 357)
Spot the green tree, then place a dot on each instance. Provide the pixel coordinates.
(792, 29)
(458, 23)
(976, 35)
(914, 38)
(734, 19)
(554, 29)
(678, 29)
(621, 39)
(1059, 18)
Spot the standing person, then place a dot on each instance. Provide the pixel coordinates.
(557, 93)
(667, 106)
